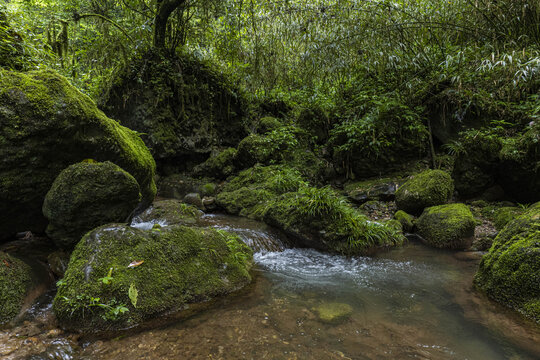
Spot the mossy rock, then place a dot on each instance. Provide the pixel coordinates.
(186, 108)
(448, 226)
(85, 196)
(47, 125)
(218, 166)
(429, 188)
(333, 312)
(119, 276)
(169, 212)
(510, 272)
(406, 220)
(244, 201)
(266, 124)
(315, 121)
(15, 281)
(208, 189)
(177, 186)
(256, 149)
(504, 215)
(378, 189)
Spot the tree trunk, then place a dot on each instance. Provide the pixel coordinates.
(164, 10)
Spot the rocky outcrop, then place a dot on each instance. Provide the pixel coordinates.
(87, 195)
(45, 126)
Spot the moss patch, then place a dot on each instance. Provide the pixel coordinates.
(510, 272)
(504, 215)
(447, 226)
(429, 188)
(169, 267)
(47, 125)
(170, 212)
(15, 280)
(406, 220)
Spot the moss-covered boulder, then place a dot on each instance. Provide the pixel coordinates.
(406, 220)
(266, 124)
(185, 107)
(448, 226)
(168, 212)
(45, 126)
(15, 281)
(219, 165)
(504, 215)
(429, 188)
(87, 195)
(119, 276)
(377, 189)
(313, 217)
(510, 272)
(257, 149)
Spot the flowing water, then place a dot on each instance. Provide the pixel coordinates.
(414, 302)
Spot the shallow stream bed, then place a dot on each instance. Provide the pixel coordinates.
(413, 302)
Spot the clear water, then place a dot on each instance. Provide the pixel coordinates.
(412, 302)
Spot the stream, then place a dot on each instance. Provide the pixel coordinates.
(414, 302)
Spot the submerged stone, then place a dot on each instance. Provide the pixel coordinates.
(87, 195)
(510, 272)
(119, 276)
(448, 226)
(333, 312)
(429, 188)
(15, 281)
(47, 125)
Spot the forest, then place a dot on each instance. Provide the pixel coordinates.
(283, 179)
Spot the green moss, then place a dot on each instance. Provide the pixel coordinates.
(245, 201)
(208, 189)
(60, 126)
(218, 166)
(86, 195)
(170, 212)
(510, 272)
(376, 189)
(181, 266)
(333, 313)
(15, 280)
(267, 124)
(429, 188)
(447, 226)
(504, 215)
(406, 220)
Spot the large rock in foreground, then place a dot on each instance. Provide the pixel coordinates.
(45, 126)
(510, 272)
(447, 226)
(119, 276)
(15, 280)
(87, 195)
(429, 188)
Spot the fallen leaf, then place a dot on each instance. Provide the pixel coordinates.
(6, 263)
(135, 264)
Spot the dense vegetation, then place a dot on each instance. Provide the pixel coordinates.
(273, 109)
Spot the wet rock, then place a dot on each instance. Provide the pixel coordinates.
(209, 203)
(177, 186)
(87, 195)
(195, 200)
(58, 262)
(510, 272)
(333, 313)
(219, 165)
(169, 212)
(60, 126)
(148, 273)
(429, 188)
(15, 281)
(406, 220)
(447, 226)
